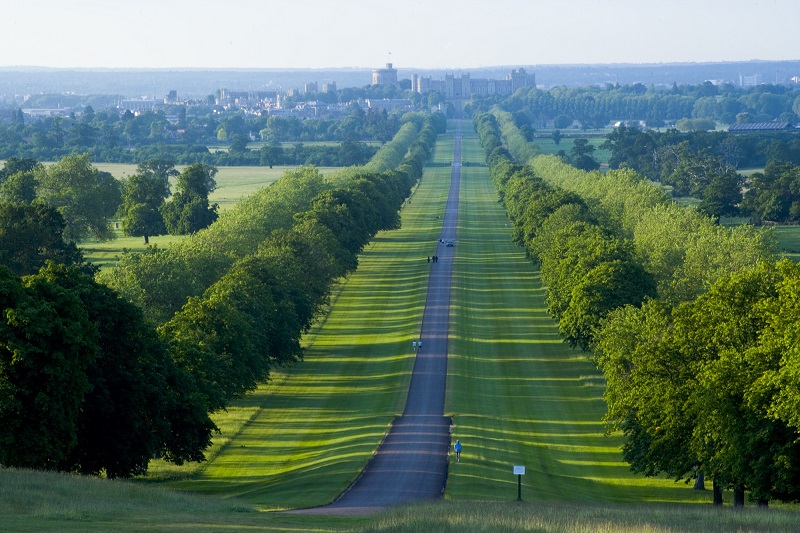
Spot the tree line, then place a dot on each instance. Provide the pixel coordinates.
(94, 383)
(595, 107)
(692, 324)
(185, 136)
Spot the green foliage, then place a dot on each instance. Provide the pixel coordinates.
(774, 194)
(695, 124)
(86, 197)
(143, 196)
(47, 342)
(139, 405)
(31, 235)
(695, 387)
(85, 384)
(189, 211)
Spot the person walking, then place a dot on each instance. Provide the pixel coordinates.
(429, 259)
(457, 448)
(414, 344)
(419, 345)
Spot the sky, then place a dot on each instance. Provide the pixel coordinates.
(409, 33)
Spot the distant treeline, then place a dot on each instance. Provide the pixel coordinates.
(134, 138)
(595, 107)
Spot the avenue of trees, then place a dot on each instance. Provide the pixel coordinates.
(692, 324)
(99, 378)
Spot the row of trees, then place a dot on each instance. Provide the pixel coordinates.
(595, 107)
(692, 324)
(88, 384)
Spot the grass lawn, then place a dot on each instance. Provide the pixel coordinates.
(788, 238)
(517, 393)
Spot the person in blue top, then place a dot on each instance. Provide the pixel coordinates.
(457, 448)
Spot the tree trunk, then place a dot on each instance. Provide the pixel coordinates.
(738, 496)
(699, 481)
(763, 503)
(717, 493)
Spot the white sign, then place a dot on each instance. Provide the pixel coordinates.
(519, 470)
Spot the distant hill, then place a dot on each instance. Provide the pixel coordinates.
(200, 83)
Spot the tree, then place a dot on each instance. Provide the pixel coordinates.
(144, 195)
(18, 188)
(46, 343)
(722, 195)
(557, 137)
(86, 197)
(138, 399)
(31, 235)
(238, 144)
(562, 121)
(581, 155)
(14, 165)
(189, 211)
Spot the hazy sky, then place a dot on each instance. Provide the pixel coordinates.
(417, 33)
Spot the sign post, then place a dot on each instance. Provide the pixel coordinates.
(519, 471)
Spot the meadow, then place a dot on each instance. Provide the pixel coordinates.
(548, 146)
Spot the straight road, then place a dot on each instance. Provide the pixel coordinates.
(411, 463)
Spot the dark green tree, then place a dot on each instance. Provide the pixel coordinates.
(189, 210)
(143, 196)
(581, 155)
(138, 401)
(31, 235)
(86, 197)
(47, 342)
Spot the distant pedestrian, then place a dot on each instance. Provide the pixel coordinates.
(457, 448)
(419, 345)
(414, 344)
(429, 259)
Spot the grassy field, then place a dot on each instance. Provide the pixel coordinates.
(549, 147)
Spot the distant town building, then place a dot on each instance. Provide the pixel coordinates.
(760, 126)
(464, 86)
(749, 81)
(311, 87)
(329, 87)
(388, 104)
(384, 76)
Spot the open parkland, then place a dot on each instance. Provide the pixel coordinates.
(516, 393)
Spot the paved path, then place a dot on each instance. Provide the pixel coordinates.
(411, 463)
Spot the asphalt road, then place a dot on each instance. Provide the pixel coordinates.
(411, 463)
